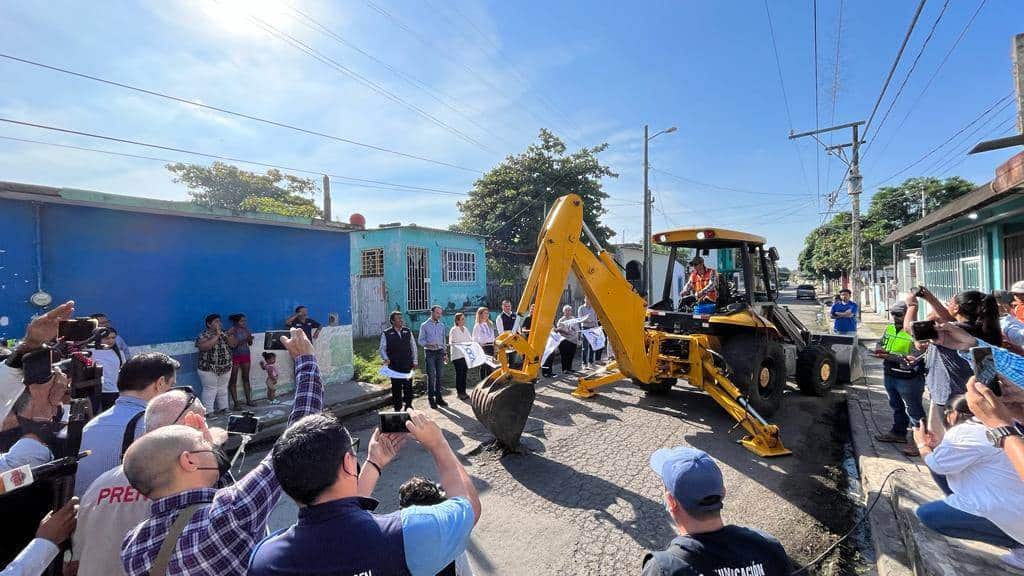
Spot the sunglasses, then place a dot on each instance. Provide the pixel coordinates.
(190, 399)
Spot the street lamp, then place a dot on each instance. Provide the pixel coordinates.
(647, 212)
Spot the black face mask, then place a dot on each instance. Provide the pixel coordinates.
(223, 461)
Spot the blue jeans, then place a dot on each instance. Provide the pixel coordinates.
(588, 353)
(905, 401)
(945, 519)
(435, 364)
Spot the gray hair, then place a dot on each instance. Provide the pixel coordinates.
(150, 462)
(164, 409)
(566, 307)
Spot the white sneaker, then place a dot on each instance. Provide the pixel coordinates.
(1014, 558)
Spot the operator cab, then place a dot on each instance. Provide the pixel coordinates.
(744, 274)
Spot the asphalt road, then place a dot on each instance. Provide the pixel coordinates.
(583, 500)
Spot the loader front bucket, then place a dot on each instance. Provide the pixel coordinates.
(848, 358)
(503, 406)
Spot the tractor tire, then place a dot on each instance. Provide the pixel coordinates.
(758, 370)
(659, 388)
(816, 370)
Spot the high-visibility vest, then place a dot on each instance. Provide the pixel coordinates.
(700, 281)
(897, 341)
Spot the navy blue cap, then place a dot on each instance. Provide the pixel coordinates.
(691, 476)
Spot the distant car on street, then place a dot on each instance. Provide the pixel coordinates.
(806, 291)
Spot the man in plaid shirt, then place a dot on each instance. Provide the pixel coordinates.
(176, 468)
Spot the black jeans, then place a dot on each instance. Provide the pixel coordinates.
(401, 387)
(460, 375)
(567, 350)
(485, 369)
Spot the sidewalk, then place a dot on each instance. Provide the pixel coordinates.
(903, 546)
(341, 398)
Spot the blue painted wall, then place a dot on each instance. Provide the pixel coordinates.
(452, 296)
(157, 276)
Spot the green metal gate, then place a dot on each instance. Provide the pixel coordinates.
(954, 264)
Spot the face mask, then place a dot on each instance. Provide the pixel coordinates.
(223, 462)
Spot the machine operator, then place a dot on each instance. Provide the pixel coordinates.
(702, 282)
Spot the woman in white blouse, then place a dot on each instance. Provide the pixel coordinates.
(483, 334)
(459, 334)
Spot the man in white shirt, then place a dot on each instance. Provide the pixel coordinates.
(984, 495)
(41, 551)
(111, 506)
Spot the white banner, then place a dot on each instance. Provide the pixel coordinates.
(595, 337)
(388, 372)
(474, 354)
(554, 339)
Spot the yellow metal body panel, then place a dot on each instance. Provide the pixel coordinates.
(622, 313)
(688, 236)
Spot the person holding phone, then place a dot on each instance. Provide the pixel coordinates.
(903, 378)
(317, 465)
(984, 494)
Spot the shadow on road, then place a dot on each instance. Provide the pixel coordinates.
(569, 488)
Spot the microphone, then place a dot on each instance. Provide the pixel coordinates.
(26, 475)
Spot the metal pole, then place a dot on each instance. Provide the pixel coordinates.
(327, 200)
(647, 224)
(854, 191)
(924, 199)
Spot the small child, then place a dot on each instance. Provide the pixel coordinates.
(269, 365)
(422, 492)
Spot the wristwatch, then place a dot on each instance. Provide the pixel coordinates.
(999, 435)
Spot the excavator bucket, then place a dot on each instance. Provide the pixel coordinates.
(848, 359)
(503, 406)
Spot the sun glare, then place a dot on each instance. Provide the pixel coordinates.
(239, 16)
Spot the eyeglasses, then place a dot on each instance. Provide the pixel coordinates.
(191, 399)
(355, 447)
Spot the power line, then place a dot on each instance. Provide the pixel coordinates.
(906, 78)
(1005, 98)
(1007, 127)
(718, 187)
(935, 73)
(341, 68)
(895, 64)
(817, 107)
(958, 150)
(835, 84)
(205, 155)
(785, 98)
(235, 113)
(313, 23)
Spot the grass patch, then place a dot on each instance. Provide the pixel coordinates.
(367, 363)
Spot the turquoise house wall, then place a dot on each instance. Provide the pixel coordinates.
(452, 296)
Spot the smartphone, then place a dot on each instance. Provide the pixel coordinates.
(924, 330)
(77, 329)
(916, 292)
(272, 340)
(244, 423)
(393, 422)
(985, 369)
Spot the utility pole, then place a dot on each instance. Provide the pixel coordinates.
(327, 198)
(647, 212)
(853, 188)
(647, 222)
(924, 199)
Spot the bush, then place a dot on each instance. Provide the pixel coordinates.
(366, 361)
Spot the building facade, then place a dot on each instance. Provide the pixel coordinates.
(157, 268)
(975, 242)
(409, 269)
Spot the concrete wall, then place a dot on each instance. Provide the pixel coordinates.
(157, 276)
(452, 296)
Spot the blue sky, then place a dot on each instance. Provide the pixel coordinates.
(492, 74)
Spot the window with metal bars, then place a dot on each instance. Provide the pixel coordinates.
(458, 265)
(372, 262)
(418, 279)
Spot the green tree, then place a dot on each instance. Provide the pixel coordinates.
(507, 203)
(827, 249)
(225, 186)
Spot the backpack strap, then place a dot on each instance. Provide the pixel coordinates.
(163, 557)
(129, 432)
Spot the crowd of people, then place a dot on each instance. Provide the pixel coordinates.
(964, 422)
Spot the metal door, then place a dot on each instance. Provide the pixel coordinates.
(418, 278)
(1013, 259)
(369, 306)
(970, 273)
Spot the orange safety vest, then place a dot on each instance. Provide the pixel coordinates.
(699, 281)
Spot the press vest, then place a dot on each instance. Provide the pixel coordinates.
(342, 537)
(399, 349)
(700, 281)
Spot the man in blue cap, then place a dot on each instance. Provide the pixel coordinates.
(694, 490)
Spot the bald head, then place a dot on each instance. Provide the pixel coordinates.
(169, 408)
(151, 462)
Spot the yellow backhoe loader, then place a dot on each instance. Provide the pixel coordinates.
(740, 350)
